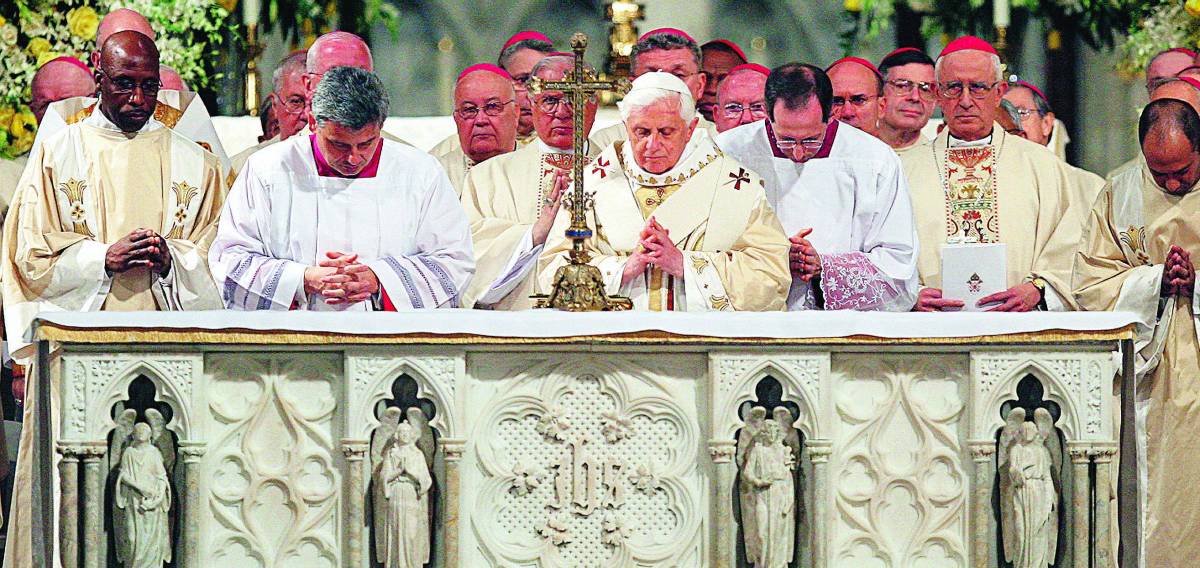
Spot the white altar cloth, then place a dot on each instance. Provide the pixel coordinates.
(547, 324)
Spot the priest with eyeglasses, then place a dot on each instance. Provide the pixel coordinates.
(838, 191)
(978, 184)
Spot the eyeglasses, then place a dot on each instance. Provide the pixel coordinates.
(1026, 112)
(293, 105)
(858, 101)
(903, 87)
(125, 86)
(493, 108)
(548, 103)
(954, 89)
(734, 110)
(811, 144)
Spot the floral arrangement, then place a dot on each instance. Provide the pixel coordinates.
(1101, 23)
(33, 32)
(1165, 24)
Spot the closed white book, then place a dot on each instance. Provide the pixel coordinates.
(972, 271)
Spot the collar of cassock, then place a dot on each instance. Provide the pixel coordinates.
(326, 170)
(826, 143)
(98, 120)
(699, 152)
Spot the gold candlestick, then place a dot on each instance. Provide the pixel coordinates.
(254, 50)
(622, 35)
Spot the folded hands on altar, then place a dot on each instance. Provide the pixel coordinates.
(1179, 275)
(656, 248)
(141, 247)
(803, 257)
(341, 279)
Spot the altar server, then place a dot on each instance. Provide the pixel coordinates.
(342, 219)
(678, 224)
(112, 214)
(838, 191)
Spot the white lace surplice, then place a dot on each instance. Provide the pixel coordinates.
(856, 202)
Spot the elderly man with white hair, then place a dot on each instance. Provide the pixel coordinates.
(678, 224)
(839, 192)
(978, 182)
(342, 219)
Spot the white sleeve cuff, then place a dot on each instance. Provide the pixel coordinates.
(91, 261)
(520, 265)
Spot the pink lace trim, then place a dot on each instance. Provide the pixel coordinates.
(850, 282)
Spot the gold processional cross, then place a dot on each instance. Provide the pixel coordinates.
(579, 286)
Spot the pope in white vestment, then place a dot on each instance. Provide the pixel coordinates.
(291, 206)
(698, 235)
(853, 197)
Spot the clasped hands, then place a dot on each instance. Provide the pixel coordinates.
(1179, 275)
(803, 258)
(341, 279)
(655, 248)
(1020, 298)
(141, 247)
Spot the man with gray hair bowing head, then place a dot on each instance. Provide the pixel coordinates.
(342, 219)
(678, 225)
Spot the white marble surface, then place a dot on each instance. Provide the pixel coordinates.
(554, 324)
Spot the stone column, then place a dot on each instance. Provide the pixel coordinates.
(94, 543)
(191, 506)
(1080, 504)
(722, 452)
(68, 470)
(819, 452)
(355, 452)
(982, 454)
(1103, 458)
(452, 452)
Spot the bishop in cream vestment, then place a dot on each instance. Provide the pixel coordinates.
(1129, 232)
(87, 186)
(1001, 189)
(735, 252)
(503, 197)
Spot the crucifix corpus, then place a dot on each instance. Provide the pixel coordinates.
(579, 286)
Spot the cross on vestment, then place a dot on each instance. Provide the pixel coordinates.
(741, 176)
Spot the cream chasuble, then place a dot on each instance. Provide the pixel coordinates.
(450, 155)
(1004, 189)
(734, 250)
(502, 197)
(283, 215)
(605, 136)
(86, 187)
(1129, 232)
(10, 173)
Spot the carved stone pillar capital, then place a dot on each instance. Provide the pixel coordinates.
(355, 450)
(1102, 454)
(192, 452)
(983, 451)
(452, 449)
(1079, 454)
(722, 451)
(70, 451)
(92, 451)
(819, 451)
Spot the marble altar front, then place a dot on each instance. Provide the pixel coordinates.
(587, 440)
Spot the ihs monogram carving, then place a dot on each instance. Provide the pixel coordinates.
(587, 473)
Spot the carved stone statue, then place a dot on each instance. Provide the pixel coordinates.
(1029, 463)
(767, 477)
(142, 502)
(402, 481)
(754, 422)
